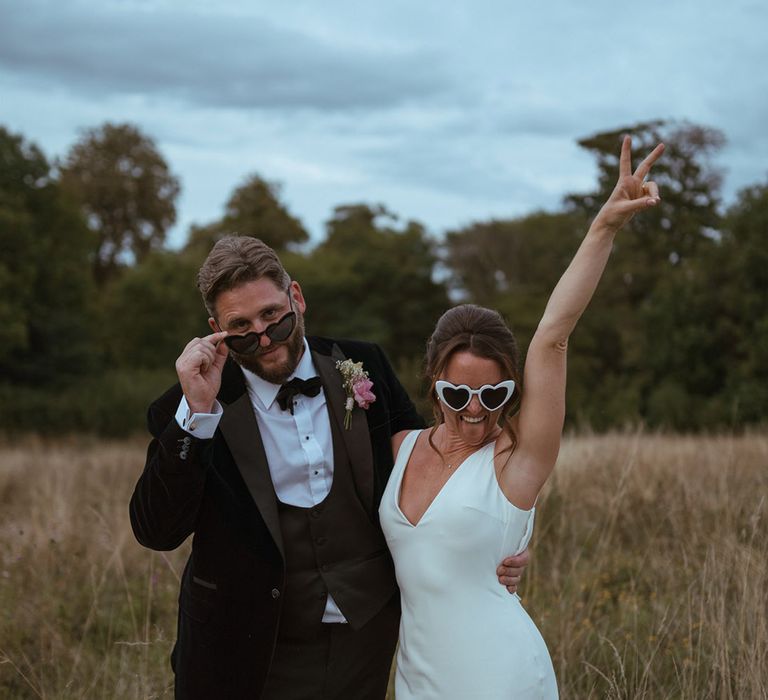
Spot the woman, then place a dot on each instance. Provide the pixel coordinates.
(462, 494)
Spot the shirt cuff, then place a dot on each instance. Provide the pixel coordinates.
(199, 425)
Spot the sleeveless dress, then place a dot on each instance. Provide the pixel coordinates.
(462, 635)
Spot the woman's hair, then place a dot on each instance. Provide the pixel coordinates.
(236, 260)
(482, 332)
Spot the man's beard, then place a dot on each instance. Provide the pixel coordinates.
(276, 374)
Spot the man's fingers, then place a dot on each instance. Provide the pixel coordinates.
(222, 350)
(625, 159)
(216, 337)
(203, 356)
(199, 353)
(211, 339)
(518, 561)
(645, 167)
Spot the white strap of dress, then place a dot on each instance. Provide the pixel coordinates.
(406, 447)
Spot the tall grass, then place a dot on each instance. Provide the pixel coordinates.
(84, 610)
(650, 570)
(649, 575)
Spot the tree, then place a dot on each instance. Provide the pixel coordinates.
(636, 339)
(642, 351)
(153, 311)
(681, 226)
(253, 209)
(45, 296)
(513, 265)
(740, 276)
(372, 280)
(126, 191)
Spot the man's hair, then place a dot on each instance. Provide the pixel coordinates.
(235, 260)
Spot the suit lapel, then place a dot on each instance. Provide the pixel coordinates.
(357, 440)
(241, 431)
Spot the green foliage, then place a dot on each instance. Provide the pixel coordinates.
(676, 336)
(126, 191)
(254, 209)
(371, 280)
(152, 311)
(110, 403)
(646, 328)
(513, 265)
(45, 298)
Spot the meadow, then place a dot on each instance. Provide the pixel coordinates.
(649, 574)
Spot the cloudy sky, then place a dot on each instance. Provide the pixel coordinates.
(445, 112)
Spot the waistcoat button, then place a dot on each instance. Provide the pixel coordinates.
(275, 593)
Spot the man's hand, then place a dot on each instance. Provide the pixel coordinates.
(199, 370)
(510, 571)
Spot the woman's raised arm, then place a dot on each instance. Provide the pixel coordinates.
(542, 411)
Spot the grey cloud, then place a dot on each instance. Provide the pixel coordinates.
(205, 60)
(461, 168)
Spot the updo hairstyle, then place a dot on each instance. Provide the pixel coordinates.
(483, 333)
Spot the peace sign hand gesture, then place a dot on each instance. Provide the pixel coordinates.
(632, 193)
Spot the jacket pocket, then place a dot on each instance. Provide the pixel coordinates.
(204, 584)
(197, 600)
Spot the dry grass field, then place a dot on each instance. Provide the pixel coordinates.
(649, 576)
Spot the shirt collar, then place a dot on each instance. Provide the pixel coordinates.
(267, 391)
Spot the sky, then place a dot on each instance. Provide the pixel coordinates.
(446, 113)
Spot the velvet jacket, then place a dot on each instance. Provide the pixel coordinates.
(220, 491)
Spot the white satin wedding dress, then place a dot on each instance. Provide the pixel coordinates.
(462, 635)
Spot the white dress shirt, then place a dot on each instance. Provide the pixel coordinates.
(299, 447)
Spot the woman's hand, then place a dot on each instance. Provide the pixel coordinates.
(632, 193)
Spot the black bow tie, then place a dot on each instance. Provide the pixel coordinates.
(308, 387)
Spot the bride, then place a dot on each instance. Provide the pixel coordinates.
(462, 494)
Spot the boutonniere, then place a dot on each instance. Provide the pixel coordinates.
(357, 385)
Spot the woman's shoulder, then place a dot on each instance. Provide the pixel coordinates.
(399, 438)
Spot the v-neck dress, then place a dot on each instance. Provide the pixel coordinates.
(462, 635)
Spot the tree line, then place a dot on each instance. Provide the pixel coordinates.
(95, 307)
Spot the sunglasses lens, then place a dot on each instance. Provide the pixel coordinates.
(455, 398)
(493, 398)
(243, 344)
(281, 330)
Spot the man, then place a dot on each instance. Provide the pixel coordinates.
(289, 591)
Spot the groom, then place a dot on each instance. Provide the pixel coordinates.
(289, 591)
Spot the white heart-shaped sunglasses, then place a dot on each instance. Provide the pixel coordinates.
(491, 396)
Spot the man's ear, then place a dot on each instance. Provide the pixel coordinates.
(298, 296)
(212, 323)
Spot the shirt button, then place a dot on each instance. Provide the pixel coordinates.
(306, 437)
(275, 593)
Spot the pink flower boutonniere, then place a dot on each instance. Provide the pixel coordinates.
(358, 387)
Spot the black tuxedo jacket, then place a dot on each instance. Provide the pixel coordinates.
(220, 491)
